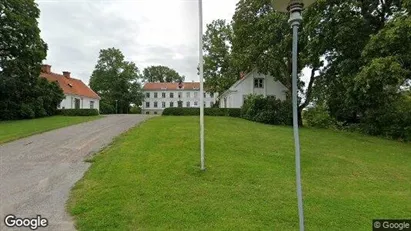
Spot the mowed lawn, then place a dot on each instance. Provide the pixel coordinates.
(12, 130)
(149, 179)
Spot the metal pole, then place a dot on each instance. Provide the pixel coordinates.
(295, 25)
(200, 10)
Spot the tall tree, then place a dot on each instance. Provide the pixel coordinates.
(161, 74)
(22, 93)
(345, 30)
(219, 73)
(116, 81)
(262, 40)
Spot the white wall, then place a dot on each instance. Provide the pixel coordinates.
(69, 102)
(271, 87)
(193, 97)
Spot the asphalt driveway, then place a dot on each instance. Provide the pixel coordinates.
(36, 173)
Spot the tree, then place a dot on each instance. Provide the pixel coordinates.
(219, 73)
(161, 74)
(115, 79)
(262, 39)
(22, 93)
(345, 30)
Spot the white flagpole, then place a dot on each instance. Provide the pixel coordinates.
(200, 11)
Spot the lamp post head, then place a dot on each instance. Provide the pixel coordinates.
(286, 5)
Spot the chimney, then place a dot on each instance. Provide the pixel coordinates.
(45, 68)
(242, 75)
(66, 74)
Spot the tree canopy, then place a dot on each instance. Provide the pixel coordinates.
(161, 74)
(116, 81)
(22, 93)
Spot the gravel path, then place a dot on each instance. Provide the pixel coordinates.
(37, 172)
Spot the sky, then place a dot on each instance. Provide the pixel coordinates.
(148, 32)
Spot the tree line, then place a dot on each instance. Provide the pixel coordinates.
(24, 95)
(119, 82)
(358, 51)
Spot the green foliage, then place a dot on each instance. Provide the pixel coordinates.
(319, 117)
(23, 95)
(268, 110)
(77, 112)
(177, 111)
(219, 72)
(135, 110)
(394, 121)
(107, 108)
(161, 74)
(116, 79)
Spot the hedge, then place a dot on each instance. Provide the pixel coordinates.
(77, 112)
(177, 111)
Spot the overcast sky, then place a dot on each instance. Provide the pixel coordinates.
(148, 32)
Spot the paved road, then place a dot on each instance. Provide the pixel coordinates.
(37, 172)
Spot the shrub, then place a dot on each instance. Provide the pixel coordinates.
(393, 122)
(78, 112)
(268, 110)
(135, 110)
(106, 108)
(319, 117)
(176, 111)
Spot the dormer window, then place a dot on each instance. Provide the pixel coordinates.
(71, 85)
(258, 83)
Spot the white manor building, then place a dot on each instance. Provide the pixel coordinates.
(158, 96)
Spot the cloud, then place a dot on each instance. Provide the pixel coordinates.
(148, 32)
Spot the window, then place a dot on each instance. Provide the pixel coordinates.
(188, 104)
(195, 94)
(148, 95)
(163, 94)
(211, 104)
(205, 95)
(147, 104)
(188, 94)
(155, 113)
(171, 104)
(91, 104)
(195, 103)
(212, 95)
(155, 104)
(180, 94)
(155, 94)
(163, 104)
(147, 112)
(258, 83)
(171, 95)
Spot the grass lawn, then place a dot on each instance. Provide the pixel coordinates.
(12, 130)
(149, 179)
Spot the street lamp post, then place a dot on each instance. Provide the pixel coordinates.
(116, 107)
(201, 65)
(295, 7)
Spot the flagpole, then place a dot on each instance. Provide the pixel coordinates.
(200, 11)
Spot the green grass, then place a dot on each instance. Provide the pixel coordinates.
(12, 130)
(149, 179)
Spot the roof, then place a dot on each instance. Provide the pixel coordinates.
(70, 86)
(171, 86)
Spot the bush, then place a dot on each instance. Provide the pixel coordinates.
(268, 110)
(78, 112)
(107, 108)
(135, 110)
(319, 117)
(176, 111)
(391, 122)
